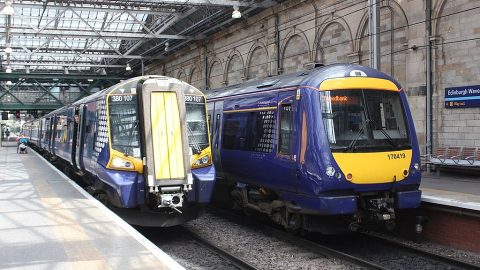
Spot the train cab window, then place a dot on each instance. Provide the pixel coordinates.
(364, 120)
(285, 129)
(196, 123)
(249, 131)
(124, 129)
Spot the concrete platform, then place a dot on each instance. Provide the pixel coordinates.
(451, 189)
(48, 222)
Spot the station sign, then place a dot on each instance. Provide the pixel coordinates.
(462, 97)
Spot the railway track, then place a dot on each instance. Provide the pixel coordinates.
(304, 243)
(365, 250)
(235, 260)
(420, 252)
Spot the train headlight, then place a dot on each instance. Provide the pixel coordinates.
(416, 166)
(330, 171)
(122, 163)
(205, 160)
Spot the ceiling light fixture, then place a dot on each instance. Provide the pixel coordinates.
(9, 83)
(236, 13)
(128, 68)
(166, 46)
(8, 70)
(8, 9)
(8, 49)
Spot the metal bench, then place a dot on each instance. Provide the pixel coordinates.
(455, 156)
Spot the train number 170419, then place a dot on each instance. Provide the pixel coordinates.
(396, 156)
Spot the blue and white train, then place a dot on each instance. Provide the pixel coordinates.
(141, 146)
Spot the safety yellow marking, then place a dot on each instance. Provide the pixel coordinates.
(374, 168)
(166, 132)
(252, 110)
(358, 83)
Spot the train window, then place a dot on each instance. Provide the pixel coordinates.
(285, 129)
(196, 123)
(365, 120)
(124, 124)
(249, 131)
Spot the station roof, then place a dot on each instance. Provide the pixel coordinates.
(102, 37)
(54, 52)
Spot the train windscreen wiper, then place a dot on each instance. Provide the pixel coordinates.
(389, 138)
(358, 135)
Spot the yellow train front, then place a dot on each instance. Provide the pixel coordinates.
(330, 149)
(141, 147)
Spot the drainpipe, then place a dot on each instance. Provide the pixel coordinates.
(277, 42)
(428, 78)
(374, 23)
(206, 69)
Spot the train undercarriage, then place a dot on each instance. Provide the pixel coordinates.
(374, 210)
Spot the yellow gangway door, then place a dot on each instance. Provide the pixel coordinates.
(167, 136)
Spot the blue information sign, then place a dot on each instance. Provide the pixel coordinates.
(462, 97)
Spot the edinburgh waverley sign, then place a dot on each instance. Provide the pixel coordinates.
(462, 97)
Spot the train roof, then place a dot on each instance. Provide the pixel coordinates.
(312, 77)
(106, 91)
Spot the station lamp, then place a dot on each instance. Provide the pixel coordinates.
(8, 9)
(8, 49)
(8, 70)
(128, 68)
(236, 13)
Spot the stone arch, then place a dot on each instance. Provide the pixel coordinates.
(336, 47)
(215, 74)
(234, 71)
(295, 52)
(393, 36)
(181, 75)
(195, 78)
(257, 60)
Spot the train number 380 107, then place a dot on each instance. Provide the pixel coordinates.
(396, 156)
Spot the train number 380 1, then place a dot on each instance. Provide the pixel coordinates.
(396, 156)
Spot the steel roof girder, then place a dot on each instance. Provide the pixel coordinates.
(9, 91)
(86, 64)
(48, 91)
(112, 8)
(83, 55)
(20, 31)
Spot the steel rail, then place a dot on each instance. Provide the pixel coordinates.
(426, 254)
(288, 237)
(236, 261)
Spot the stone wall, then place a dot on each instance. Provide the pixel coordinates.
(333, 31)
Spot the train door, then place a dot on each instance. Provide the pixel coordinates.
(46, 134)
(40, 134)
(165, 147)
(80, 139)
(52, 135)
(286, 142)
(72, 119)
(216, 129)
